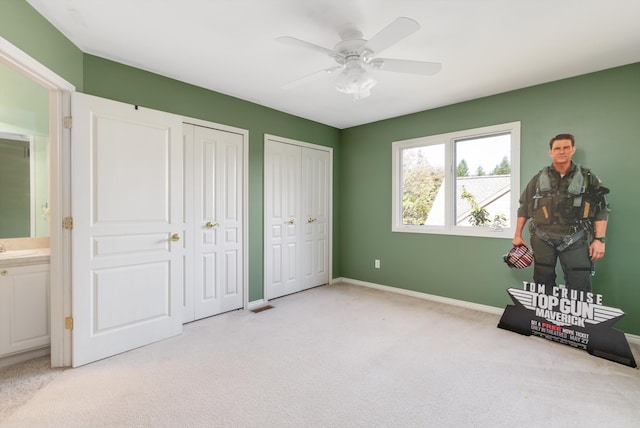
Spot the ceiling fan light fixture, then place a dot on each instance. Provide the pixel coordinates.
(356, 56)
(355, 80)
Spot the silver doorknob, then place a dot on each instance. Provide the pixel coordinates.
(210, 225)
(175, 237)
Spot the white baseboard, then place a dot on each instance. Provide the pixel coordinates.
(24, 356)
(631, 338)
(446, 300)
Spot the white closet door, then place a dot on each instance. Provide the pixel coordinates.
(315, 216)
(127, 238)
(282, 165)
(297, 213)
(216, 219)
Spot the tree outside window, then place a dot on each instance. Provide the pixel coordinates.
(457, 183)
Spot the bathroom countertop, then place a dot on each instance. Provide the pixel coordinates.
(32, 256)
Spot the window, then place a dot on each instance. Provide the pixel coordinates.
(458, 183)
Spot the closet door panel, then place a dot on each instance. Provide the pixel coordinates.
(229, 214)
(297, 205)
(282, 218)
(315, 210)
(217, 222)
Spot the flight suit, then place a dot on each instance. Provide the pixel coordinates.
(562, 210)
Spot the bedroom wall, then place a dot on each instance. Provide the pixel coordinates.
(601, 109)
(25, 28)
(24, 109)
(118, 82)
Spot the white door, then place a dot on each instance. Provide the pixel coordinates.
(296, 200)
(282, 218)
(217, 221)
(127, 238)
(315, 217)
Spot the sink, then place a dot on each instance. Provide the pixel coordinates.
(13, 254)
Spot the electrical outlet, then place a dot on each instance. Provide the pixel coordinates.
(376, 264)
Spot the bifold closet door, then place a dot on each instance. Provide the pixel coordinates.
(282, 217)
(216, 171)
(296, 204)
(315, 217)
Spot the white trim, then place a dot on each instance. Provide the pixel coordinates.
(299, 143)
(32, 186)
(59, 140)
(448, 140)
(18, 60)
(329, 196)
(23, 356)
(245, 193)
(432, 297)
(60, 243)
(18, 137)
(214, 125)
(631, 338)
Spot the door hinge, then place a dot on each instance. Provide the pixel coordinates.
(68, 323)
(68, 122)
(67, 223)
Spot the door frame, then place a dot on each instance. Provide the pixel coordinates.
(59, 192)
(329, 202)
(245, 195)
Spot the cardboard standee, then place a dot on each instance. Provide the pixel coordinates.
(571, 317)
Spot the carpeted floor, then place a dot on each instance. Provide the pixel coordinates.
(19, 382)
(342, 356)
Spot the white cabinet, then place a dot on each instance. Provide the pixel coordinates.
(24, 308)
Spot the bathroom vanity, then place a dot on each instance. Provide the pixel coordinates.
(24, 305)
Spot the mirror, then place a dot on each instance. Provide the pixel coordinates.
(24, 174)
(24, 156)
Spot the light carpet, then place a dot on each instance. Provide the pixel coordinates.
(19, 382)
(343, 356)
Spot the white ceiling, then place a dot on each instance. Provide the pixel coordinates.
(229, 46)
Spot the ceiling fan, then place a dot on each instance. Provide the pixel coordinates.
(354, 55)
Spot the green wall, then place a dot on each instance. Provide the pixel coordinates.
(24, 105)
(601, 109)
(24, 109)
(25, 28)
(127, 84)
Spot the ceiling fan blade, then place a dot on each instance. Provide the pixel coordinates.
(406, 66)
(292, 41)
(391, 34)
(311, 77)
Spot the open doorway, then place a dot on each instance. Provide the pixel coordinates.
(57, 105)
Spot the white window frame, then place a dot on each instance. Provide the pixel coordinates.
(449, 139)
